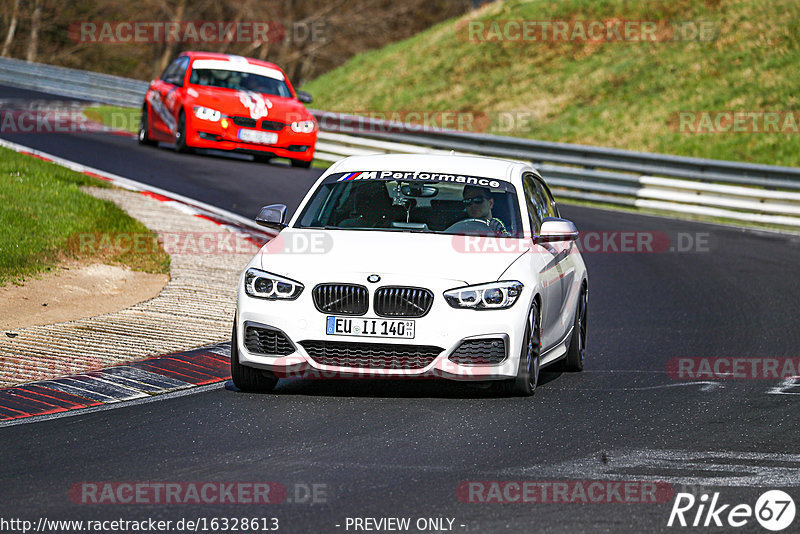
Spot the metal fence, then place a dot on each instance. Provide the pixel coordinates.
(739, 191)
(73, 83)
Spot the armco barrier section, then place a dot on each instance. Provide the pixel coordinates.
(745, 192)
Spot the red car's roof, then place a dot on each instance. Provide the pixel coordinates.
(215, 55)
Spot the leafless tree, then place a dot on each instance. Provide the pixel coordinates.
(33, 38)
(12, 29)
(341, 29)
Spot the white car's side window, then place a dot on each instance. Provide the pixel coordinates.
(536, 211)
(545, 199)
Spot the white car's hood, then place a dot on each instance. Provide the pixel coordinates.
(302, 253)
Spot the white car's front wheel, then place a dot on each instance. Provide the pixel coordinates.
(527, 378)
(573, 361)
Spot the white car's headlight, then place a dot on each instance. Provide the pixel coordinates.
(264, 285)
(207, 114)
(303, 126)
(491, 296)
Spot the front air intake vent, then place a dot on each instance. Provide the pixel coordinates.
(479, 352)
(371, 355)
(260, 340)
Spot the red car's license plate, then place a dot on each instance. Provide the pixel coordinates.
(254, 136)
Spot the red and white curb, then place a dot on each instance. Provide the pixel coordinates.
(135, 381)
(165, 375)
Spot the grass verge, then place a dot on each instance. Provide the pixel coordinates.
(45, 214)
(622, 94)
(118, 118)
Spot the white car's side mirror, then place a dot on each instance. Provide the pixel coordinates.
(272, 216)
(554, 229)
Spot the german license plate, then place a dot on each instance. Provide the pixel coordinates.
(369, 327)
(254, 136)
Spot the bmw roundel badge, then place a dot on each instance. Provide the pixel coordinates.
(373, 278)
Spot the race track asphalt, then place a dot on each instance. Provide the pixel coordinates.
(401, 449)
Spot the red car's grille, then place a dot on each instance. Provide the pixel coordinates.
(245, 122)
(272, 126)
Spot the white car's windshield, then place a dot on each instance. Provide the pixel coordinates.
(414, 201)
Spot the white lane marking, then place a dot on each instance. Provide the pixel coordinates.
(785, 387)
(143, 380)
(729, 468)
(703, 468)
(76, 387)
(223, 349)
(120, 392)
(707, 386)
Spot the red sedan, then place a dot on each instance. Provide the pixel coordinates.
(226, 102)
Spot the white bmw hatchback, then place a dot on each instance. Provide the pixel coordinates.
(454, 267)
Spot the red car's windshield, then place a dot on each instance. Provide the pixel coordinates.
(242, 81)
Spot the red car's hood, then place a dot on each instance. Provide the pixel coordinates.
(249, 104)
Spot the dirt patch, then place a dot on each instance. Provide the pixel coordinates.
(75, 291)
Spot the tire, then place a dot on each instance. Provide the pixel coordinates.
(247, 378)
(524, 385)
(300, 164)
(143, 136)
(180, 136)
(573, 361)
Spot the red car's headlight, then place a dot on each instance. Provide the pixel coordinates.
(304, 126)
(207, 114)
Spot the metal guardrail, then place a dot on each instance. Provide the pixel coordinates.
(739, 191)
(73, 83)
(570, 154)
(732, 196)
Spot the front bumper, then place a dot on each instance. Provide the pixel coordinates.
(443, 327)
(290, 144)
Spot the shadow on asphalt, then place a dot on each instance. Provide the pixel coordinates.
(387, 388)
(225, 154)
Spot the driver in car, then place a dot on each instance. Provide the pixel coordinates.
(478, 204)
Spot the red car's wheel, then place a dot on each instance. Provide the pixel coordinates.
(143, 135)
(180, 136)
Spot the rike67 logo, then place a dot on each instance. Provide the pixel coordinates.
(774, 510)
